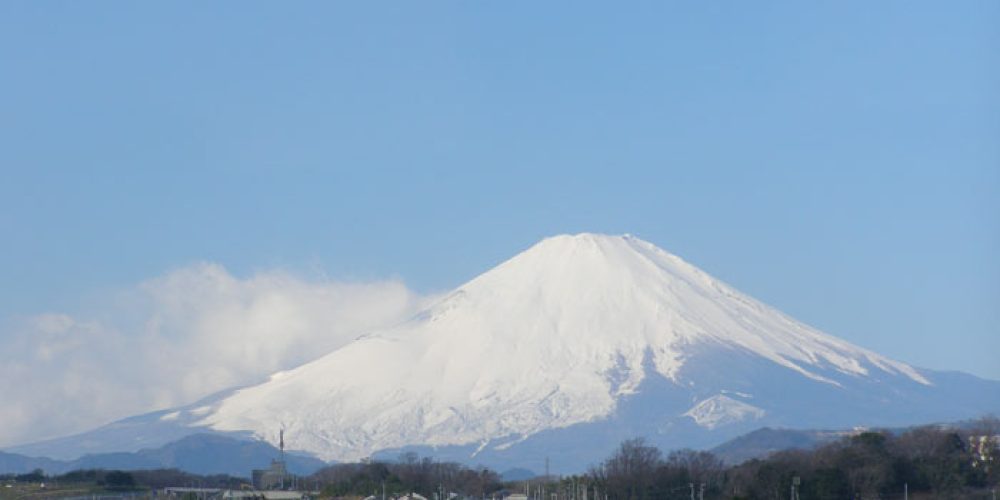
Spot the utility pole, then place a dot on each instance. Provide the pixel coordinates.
(906, 491)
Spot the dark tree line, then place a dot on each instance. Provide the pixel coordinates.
(409, 474)
(639, 471)
(128, 480)
(925, 462)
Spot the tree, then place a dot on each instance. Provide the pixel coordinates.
(827, 483)
(35, 476)
(119, 480)
(631, 470)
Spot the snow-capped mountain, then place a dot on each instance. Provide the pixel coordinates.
(569, 347)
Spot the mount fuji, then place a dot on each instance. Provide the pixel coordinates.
(560, 353)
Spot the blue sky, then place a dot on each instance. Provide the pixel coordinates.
(840, 160)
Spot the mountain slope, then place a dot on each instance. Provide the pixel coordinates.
(555, 336)
(197, 453)
(571, 346)
(763, 442)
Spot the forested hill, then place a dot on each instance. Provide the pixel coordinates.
(199, 453)
(943, 462)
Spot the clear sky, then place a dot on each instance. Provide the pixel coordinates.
(838, 160)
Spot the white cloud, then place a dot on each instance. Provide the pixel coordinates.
(176, 338)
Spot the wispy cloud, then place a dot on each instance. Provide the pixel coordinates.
(176, 338)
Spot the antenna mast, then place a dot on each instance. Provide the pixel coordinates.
(281, 447)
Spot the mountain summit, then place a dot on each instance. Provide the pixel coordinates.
(567, 348)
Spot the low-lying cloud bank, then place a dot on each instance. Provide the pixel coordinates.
(177, 338)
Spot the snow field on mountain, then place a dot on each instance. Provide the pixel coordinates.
(553, 337)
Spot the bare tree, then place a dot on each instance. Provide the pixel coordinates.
(631, 471)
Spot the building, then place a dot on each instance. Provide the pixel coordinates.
(276, 477)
